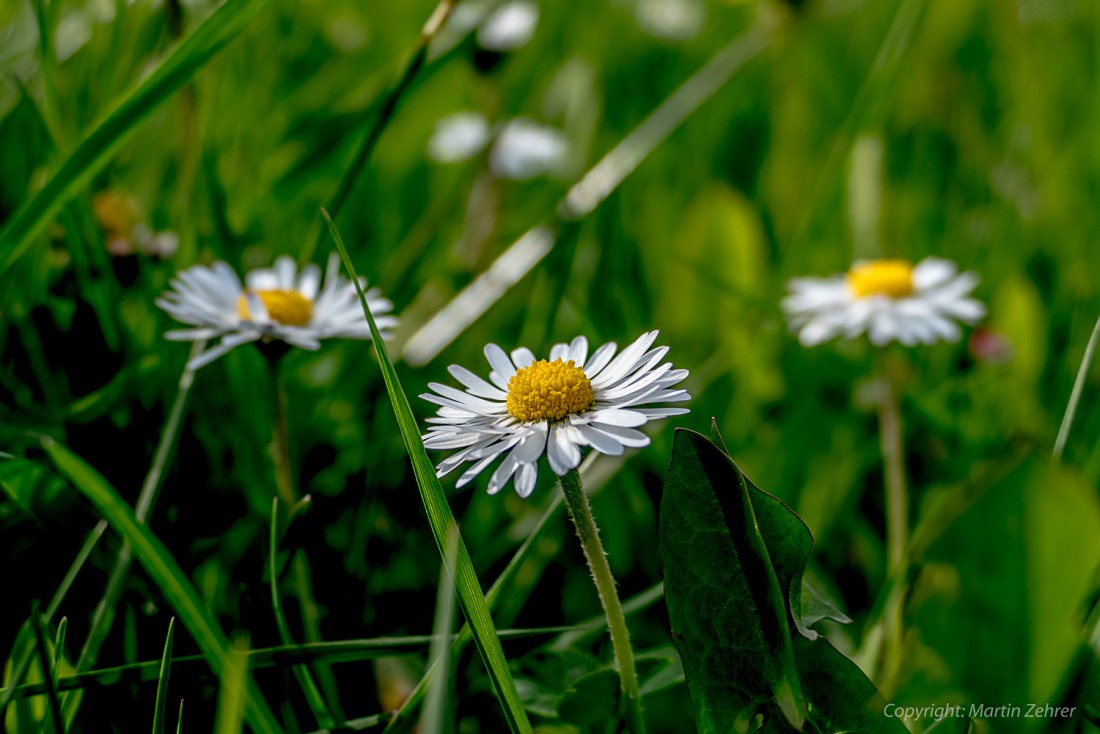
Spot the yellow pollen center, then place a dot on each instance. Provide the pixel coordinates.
(891, 278)
(549, 391)
(289, 308)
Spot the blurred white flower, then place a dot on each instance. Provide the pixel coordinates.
(676, 20)
(889, 300)
(509, 27)
(124, 230)
(459, 137)
(553, 407)
(525, 149)
(279, 303)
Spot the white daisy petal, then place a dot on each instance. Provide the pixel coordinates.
(622, 365)
(525, 479)
(498, 360)
(600, 358)
(578, 351)
(475, 384)
(522, 357)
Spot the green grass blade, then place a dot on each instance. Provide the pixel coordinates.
(179, 721)
(105, 140)
(406, 717)
(162, 681)
(435, 711)
(388, 109)
(162, 568)
(23, 664)
(470, 596)
(53, 704)
(1075, 394)
(301, 672)
(233, 692)
(343, 651)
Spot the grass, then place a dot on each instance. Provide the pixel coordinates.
(780, 139)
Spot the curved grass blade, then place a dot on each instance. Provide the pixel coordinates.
(105, 140)
(470, 595)
(301, 672)
(162, 680)
(164, 571)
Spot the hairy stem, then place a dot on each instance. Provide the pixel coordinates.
(577, 502)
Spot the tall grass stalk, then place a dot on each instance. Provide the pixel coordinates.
(1075, 394)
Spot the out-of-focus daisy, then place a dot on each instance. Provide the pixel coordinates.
(500, 26)
(124, 230)
(459, 137)
(525, 149)
(521, 148)
(275, 304)
(555, 407)
(889, 300)
(676, 20)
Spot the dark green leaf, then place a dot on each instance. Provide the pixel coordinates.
(734, 558)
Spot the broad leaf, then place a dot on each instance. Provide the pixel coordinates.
(734, 558)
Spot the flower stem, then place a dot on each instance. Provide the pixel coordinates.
(284, 471)
(891, 435)
(577, 502)
(300, 570)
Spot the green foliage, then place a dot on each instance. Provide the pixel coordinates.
(734, 559)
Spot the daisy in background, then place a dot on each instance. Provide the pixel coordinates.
(277, 304)
(518, 149)
(554, 407)
(889, 300)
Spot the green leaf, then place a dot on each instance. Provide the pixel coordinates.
(162, 681)
(470, 596)
(733, 559)
(105, 140)
(233, 691)
(163, 569)
(53, 705)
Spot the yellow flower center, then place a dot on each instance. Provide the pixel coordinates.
(891, 278)
(549, 391)
(116, 213)
(289, 308)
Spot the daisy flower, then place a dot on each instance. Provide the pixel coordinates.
(279, 303)
(558, 406)
(889, 300)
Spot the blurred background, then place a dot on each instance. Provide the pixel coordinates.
(833, 130)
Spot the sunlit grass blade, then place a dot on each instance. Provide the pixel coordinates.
(233, 691)
(471, 597)
(53, 705)
(1075, 394)
(105, 140)
(179, 721)
(343, 651)
(301, 672)
(164, 571)
(162, 681)
(585, 195)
